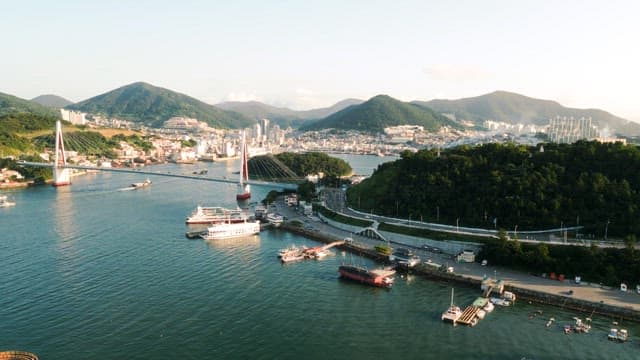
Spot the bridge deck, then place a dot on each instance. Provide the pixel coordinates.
(288, 186)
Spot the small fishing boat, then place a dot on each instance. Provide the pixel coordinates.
(623, 335)
(550, 322)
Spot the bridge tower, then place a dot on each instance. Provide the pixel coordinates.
(61, 175)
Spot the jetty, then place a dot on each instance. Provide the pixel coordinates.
(294, 254)
(316, 251)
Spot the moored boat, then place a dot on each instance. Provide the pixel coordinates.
(261, 211)
(488, 307)
(481, 314)
(292, 257)
(231, 230)
(293, 249)
(499, 301)
(4, 202)
(275, 219)
(139, 185)
(380, 278)
(550, 322)
(453, 313)
(215, 214)
(623, 335)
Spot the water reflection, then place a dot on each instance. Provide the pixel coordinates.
(247, 242)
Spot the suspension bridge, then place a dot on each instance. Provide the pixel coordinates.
(273, 168)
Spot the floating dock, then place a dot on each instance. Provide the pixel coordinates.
(468, 316)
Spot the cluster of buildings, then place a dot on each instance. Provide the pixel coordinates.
(264, 137)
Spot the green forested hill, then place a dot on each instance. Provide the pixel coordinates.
(379, 112)
(302, 164)
(587, 183)
(142, 102)
(514, 108)
(52, 101)
(11, 104)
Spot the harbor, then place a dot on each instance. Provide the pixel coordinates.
(149, 290)
(584, 298)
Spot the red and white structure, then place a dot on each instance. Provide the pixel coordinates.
(61, 175)
(244, 190)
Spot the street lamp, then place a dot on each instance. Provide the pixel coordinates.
(606, 228)
(457, 226)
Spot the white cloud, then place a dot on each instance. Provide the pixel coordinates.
(456, 72)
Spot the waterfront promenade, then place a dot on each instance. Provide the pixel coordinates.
(584, 296)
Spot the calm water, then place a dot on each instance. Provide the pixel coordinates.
(92, 271)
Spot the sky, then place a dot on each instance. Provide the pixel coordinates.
(310, 54)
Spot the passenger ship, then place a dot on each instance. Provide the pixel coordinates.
(215, 214)
(231, 230)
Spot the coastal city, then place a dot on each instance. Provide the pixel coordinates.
(264, 137)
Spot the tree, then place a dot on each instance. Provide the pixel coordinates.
(307, 191)
(630, 242)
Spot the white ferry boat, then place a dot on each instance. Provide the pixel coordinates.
(4, 202)
(231, 230)
(215, 214)
(275, 219)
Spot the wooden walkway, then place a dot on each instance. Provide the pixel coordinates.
(468, 316)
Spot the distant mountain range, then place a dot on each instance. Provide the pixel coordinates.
(379, 112)
(142, 102)
(51, 100)
(284, 117)
(514, 108)
(10, 104)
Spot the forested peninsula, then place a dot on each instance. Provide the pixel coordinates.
(589, 184)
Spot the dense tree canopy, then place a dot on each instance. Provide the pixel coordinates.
(505, 185)
(609, 266)
(302, 164)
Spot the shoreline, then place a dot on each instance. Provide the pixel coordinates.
(523, 292)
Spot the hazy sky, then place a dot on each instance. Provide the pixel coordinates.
(305, 54)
